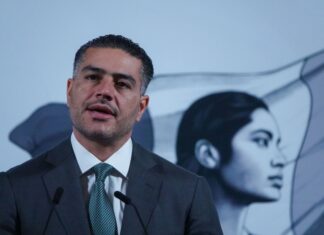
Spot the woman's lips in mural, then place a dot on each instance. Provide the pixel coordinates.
(276, 181)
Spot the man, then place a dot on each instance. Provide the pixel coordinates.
(69, 190)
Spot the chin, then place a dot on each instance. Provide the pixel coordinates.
(271, 195)
(96, 134)
(101, 137)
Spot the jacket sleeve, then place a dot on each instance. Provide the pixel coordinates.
(8, 210)
(203, 218)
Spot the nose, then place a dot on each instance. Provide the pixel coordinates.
(105, 89)
(278, 160)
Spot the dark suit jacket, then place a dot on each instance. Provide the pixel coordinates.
(169, 199)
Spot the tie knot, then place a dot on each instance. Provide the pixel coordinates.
(101, 171)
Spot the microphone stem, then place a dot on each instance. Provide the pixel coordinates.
(139, 218)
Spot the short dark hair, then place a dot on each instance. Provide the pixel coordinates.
(216, 118)
(125, 44)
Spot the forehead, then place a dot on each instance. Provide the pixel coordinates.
(261, 119)
(110, 59)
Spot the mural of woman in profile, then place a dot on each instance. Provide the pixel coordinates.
(232, 139)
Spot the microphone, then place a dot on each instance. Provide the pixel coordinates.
(128, 201)
(55, 201)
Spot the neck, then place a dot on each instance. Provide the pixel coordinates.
(100, 150)
(232, 217)
(232, 211)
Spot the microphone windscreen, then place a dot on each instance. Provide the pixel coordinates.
(122, 197)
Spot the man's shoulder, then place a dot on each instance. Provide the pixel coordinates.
(30, 166)
(39, 164)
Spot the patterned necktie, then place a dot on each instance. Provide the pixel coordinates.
(102, 217)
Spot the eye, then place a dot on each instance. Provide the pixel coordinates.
(261, 142)
(93, 77)
(123, 84)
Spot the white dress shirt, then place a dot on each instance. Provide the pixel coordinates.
(116, 181)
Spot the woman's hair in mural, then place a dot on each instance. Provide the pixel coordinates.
(216, 118)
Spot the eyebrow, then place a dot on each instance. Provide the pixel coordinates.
(263, 131)
(115, 75)
(93, 69)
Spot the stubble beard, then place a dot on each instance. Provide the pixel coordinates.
(106, 137)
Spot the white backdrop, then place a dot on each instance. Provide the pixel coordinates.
(38, 40)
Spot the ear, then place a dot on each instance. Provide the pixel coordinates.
(142, 107)
(68, 91)
(206, 154)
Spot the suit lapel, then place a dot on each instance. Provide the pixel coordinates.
(143, 189)
(66, 174)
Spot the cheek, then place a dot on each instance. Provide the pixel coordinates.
(254, 158)
(130, 104)
(73, 100)
(246, 165)
(80, 94)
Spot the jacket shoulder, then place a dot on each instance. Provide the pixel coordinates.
(42, 163)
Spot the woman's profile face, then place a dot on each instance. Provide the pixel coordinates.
(256, 164)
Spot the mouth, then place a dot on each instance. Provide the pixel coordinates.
(276, 181)
(101, 111)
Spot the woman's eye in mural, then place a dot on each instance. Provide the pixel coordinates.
(261, 141)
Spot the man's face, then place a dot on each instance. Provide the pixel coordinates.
(104, 96)
(255, 168)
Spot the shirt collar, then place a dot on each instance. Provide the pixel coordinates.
(120, 160)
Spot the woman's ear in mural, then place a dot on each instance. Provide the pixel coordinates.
(206, 154)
